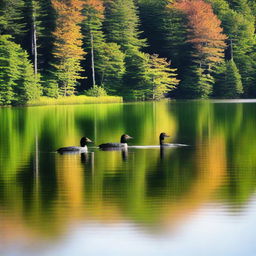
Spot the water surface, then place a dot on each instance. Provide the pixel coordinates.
(194, 200)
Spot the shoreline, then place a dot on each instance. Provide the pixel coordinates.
(74, 100)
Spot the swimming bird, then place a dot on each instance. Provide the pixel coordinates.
(122, 144)
(162, 136)
(82, 149)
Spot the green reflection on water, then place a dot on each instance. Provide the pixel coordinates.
(43, 193)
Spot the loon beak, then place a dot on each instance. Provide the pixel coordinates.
(130, 137)
(88, 140)
(167, 135)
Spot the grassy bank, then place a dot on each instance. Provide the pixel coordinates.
(82, 99)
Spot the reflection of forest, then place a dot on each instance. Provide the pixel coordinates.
(148, 188)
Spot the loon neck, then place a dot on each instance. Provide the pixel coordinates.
(161, 141)
(123, 140)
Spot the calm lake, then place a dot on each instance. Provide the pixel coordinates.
(182, 201)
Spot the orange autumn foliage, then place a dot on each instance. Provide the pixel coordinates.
(68, 35)
(97, 5)
(205, 32)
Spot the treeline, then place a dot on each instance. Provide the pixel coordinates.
(143, 49)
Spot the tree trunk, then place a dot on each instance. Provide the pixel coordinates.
(92, 54)
(34, 38)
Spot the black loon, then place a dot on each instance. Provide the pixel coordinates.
(122, 144)
(162, 136)
(81, 149)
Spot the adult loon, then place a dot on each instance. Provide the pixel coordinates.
(122, 144)
(82, 149)
(162, 136)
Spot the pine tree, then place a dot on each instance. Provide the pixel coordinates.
(112, 68)
(17, 81)
(122, 24)
(197, 84)
(68, 44)
(9, 69)
(47, 26)
(94, 40)
(136, 64)
(122, 27)
(28, 84)
(165, 28)
(239, 25)
(228, 82)
(12, 18)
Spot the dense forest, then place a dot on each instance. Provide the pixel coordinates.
(139, 49)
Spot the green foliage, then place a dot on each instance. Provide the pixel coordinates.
(67, 73)
(197, 85)
(152, 76)
(96, 91)
(51, 88)
(112, 67)
(12, 18)
(9, 69)
(17, 81)
(239, 26)
(28, 85)
(93, 37)
(122, 24)
(228, 81)
(165, 29)
(122, 57)
(80, 99)
(160, 77)
(136, 67)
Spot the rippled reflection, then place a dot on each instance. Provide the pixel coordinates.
(138, 194)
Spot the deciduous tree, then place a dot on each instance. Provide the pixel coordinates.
(68, 44)
(205, 32)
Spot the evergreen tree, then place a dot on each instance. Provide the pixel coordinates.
(228, 81)
(12, 18)
(28, 84)
(121, 24)
(94, 40)
(9, 69)
(165, 28)
(112, 68)
(134, 77)
(17, 81)
(122, 27)
(239, 26)
(47, 26)
(197, 84)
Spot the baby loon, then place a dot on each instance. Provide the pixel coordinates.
(162, 136)
(122, 144)
(81, 149)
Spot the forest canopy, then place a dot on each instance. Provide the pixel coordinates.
(141, 50)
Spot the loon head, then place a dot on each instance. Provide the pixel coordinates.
(84, 141)
(162, 136)
(125, 137)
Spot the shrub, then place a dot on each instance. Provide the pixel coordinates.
(96, 91)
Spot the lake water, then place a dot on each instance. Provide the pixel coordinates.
(180, 201)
